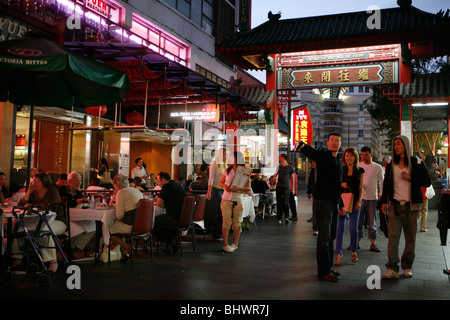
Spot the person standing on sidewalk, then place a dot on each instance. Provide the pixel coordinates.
(329, 204)
(285, 175)
(215, 191)
(372, 190)
(401, 200)
(231, 204)
(292, 195)
(353, 177)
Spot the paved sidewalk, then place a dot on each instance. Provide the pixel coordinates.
(272, 263)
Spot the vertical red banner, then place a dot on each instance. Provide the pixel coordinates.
(301, 126)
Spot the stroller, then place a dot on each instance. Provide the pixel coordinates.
(30, 237)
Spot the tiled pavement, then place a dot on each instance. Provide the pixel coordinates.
(272, 263)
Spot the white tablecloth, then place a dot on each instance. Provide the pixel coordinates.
(31, 222)
(249, 210)
(83, 220)
(158, 211)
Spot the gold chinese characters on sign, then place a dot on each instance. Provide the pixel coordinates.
(367, 74)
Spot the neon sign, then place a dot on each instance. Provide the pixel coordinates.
(301, 126)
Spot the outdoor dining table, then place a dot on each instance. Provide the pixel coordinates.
(248, 208)
(89, 220)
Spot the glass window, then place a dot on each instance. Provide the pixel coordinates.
(184, 7)
(360, 107)
(159, 41)
(207, 25)
(196, 12)
(208, 10)
(172, 3)
(361, 133)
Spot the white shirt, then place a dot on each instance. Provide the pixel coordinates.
(373, 178)
(402, 187)
(126, 200)
(139, 172)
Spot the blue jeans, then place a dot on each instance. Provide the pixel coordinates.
(353, 226)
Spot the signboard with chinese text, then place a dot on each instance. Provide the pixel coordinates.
(301, 125)
(339, 56)
(338, 76)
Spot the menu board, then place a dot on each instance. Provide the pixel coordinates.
(241, 177)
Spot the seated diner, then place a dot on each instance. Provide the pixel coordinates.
(126, 201)
(39, 193)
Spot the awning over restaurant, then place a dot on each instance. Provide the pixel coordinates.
(168, 81)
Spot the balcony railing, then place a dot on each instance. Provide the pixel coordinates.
(333, 124)
(333, 110)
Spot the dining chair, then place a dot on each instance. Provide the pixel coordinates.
(186, 221)
(200, 205)
(142, 226)
(258, 200)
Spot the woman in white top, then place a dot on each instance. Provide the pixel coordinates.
(401, 200)
(215, 191)
(127, 199)
(231, 204)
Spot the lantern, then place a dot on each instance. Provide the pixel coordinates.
(96, 111)
(134, 118)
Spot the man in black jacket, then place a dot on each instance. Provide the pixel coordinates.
(328, 194)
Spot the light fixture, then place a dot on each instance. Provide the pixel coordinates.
(429, 104)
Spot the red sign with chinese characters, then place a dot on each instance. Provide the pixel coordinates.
(301, 126)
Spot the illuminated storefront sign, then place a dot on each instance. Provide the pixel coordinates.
(11, 29)
(178, 113)
(349, 75)
(99, 6)
(244, 15)
(301, 126)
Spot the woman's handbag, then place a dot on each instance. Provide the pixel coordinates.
(347, 198)
(430, 192)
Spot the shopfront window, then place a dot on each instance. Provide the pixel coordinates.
(252, 147)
